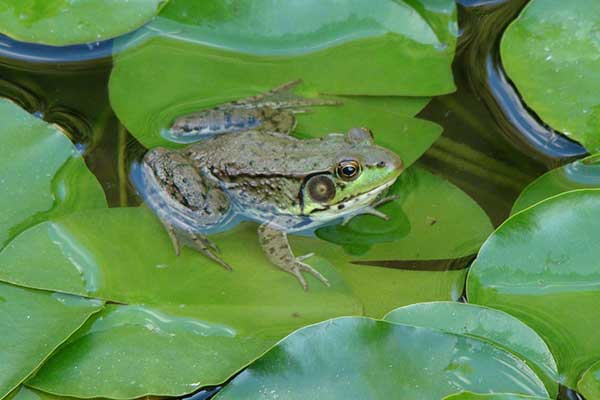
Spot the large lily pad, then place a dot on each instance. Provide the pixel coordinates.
(41, 173)
(580, 174)
(34, 324)
(64, 22)
(359, 358)
(589, 384)
(559, 79)
(540, 266)
(232, 316)
(220, 51)
(256, 303)
(497, 327)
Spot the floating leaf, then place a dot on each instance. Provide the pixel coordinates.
(219, 52)
(580, 174)
(360, 358)
(34, 324)
(257, 302)
(63, 22)
(540, 266)
(589, 384)
(41, 173)
(559, 79)
(233, 316)
(494, 326)
(492, 396)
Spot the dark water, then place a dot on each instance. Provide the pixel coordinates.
(492, 145)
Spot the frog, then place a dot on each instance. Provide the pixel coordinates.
(244, 165)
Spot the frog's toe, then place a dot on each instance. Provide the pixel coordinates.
(298, 267)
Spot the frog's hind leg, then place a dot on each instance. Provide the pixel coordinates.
(281, 97)
(276, 247)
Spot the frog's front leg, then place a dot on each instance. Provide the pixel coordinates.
(276, 247)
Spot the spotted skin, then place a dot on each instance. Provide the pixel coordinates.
(273, 111)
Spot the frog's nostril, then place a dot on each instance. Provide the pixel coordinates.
(381, 164)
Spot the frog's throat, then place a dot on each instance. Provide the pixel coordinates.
(351, 205)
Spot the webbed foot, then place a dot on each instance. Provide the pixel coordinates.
(277, 249)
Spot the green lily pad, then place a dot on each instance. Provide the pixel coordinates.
(540, 266)
(492, 396)
(34, 324)
(559, 79)
(360, 358)
(219, 52)
(580, 174)
(494, 326)
(589, 384)
(232, 317)
(64, 22)
(41, 172)
(257, 302)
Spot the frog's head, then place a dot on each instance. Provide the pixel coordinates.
(360, 172)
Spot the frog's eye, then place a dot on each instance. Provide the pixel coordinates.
(348, 169)
(321, 188)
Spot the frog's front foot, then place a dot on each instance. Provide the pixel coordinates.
(205, 246)
(277, 249)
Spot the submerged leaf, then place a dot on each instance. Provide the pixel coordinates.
(64, 22)
(33, 324)
(492, 396)
(41, 173)
(542, 266)
(551, 53)
(360, 358)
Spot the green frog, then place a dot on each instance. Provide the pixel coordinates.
(248, 167)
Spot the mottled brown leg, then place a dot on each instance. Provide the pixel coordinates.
(277, 249)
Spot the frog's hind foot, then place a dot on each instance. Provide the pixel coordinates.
(205, 246)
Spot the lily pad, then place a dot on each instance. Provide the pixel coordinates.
(256, 302)
(494, 326)
(492, 396)
(540, 266)
(41, 173)
(580, 174)
(589, 384)
(220, 51)
(232, 317)
(559, 79)
(64, 22)
(360, 358)
(34, 324)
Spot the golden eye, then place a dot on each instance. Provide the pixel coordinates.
(348, 169)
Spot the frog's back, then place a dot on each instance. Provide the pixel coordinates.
(255, 153)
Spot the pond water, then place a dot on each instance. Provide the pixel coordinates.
(492, 147)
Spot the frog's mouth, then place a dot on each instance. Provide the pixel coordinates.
(351, 204)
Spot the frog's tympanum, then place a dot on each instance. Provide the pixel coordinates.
(249, 168)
